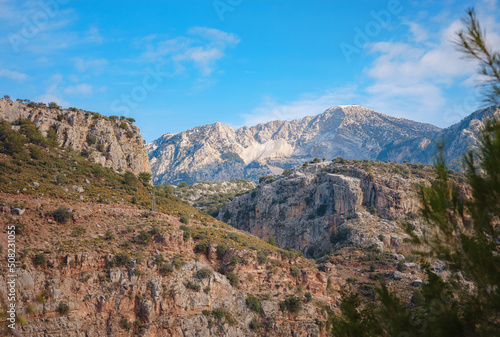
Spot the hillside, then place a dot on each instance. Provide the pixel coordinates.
(313, 207)
(218, 152)
(110, 141)
(93, 259)
(211, 196)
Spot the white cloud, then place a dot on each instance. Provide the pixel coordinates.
(408, 78)
(13, 75)
(201, 46)
(95, 65)
(53, 95)
(80, 89)
(307, 105)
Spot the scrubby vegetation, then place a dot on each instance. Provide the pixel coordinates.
(210, 196)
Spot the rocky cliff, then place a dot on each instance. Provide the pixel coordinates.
(458, 139)
(111, 141)
(314, 207)
(102, 276)
(218, 152)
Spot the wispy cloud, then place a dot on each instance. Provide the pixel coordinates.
(53, 93)
(201, 46)
(80, 89)
(95, 65)
(13, 75)
(307, 105)
(409, 77)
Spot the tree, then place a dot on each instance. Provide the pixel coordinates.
(271, 241)
(52, 138)
(129, 178)
(11, 141)
(473, 44)
(462, 231)
(53, 105)
(31, 131)
(145, 178)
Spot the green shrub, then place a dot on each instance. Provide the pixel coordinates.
(193, 286)
(125, 324)
(295, 271)
(201, 248)
(129, 178)
(261, 257)
(109, 235)
(308, 297)
(40, 260)
(204, 273)
(145, 178)
(187, 232)
(124, 125)
(100, 148)
(62, 214)
(52, 138)
(255, 324)
(120, 260)
(165, 268)
(11, 140)
(220, 314)
(292, 304)
(253, 303)
(32, 133)
(178, 263)
(271, 241)
(234, 260)
(78, 231)
(63, 308)
(144, 237)
(221, 250)
(61, 179)
(184, 219)
(35, 152)
(91, 140)
(234, 280)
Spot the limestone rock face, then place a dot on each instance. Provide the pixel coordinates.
(458, 139)
(113, 143)
(305, 207)
(218, 152)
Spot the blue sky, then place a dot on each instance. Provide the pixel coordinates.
(173, 65)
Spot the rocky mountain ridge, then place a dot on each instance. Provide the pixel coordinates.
(314, 207)
(110, 141)
(217, 152)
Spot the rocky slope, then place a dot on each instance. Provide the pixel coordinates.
(110, 141)
(313, 208)
(92, 260)
(218, 152)
(210, 196)
(458, 139)
(115, 283)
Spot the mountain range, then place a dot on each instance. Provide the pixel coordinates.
(218, 152)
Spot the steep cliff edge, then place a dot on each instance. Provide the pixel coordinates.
(312, 208)
(109, 141)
